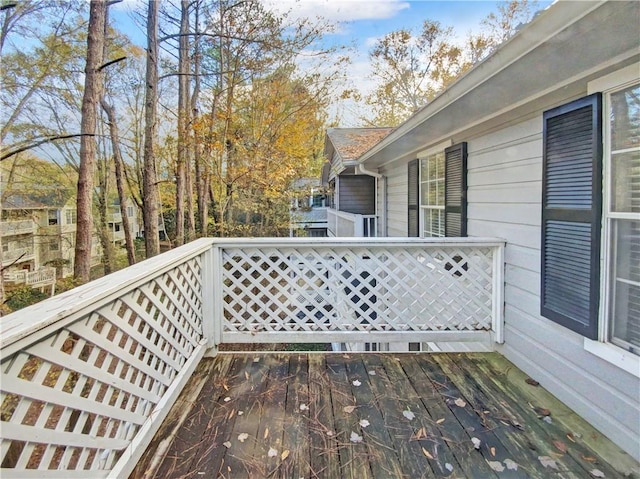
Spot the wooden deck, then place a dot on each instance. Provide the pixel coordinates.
(298, 415)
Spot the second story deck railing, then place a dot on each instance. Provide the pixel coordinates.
(89, 375)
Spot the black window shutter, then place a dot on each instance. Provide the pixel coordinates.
(571, 215)
(413, 188)
(455, 188)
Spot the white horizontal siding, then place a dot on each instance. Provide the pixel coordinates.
(396, 198)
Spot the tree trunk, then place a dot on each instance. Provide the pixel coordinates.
(183, 120)
(119, 166)
(151, 195)
(92, 91)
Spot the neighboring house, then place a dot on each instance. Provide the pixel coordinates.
(115, 222)
(540, 145)
(352, 189)
(308, 209)
(38, 231)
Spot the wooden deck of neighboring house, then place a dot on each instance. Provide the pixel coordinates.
(346, 415)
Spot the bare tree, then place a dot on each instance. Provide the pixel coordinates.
(92, 91)
(151, 197)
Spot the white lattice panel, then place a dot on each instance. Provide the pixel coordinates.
(74, 400)
(347, 288)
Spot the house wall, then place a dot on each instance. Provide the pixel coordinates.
(357, 194)
(504, 200)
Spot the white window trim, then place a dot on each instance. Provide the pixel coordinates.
(603, 349)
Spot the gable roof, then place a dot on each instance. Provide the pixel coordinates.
(351, 143)
(555, 56)
(40, 200)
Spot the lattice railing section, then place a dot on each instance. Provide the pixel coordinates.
(76, 398)
(372, 288)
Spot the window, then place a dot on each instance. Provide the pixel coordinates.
(437, 186)
(432, 195)
(130, 211)
(622, 217)
(71, 217)
(53, 217)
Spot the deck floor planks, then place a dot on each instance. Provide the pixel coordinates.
(353, 455)
(507, 413)
(296, 432)
(547, 433)
(270, 388)
(498, 415)
(491, 447)
(273, 422)
(383, 459)
(325, 461)
(246, 398)
(440, 456)
(448, 428)
(410, 455)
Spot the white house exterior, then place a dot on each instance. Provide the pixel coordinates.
(540, 145)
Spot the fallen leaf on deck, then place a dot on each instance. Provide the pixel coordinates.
(364, 423)
(266, 433)
(243, 437)
(227, 444)
(532, 382)
(492, 450)
(304, 407)
(355, 437)
(440, 421)
(420, 434)
(356, 383)
(560, 446)
(284, 454)
(346, 356)
(459, 402)
(476, 442)
(240, 413)
(227, 399)
(329, 433)
(542, 411)
(226, 388)
(570, 437)
(511, 464)
(546, 461)
(547, 419)
(349, 409)
(256, 360)
(448, 467)
(589, 458)
(272, 452)
(372, 373)
(408, 414)
(496, 466)
(427, 453)
(246, 375)
(596, 473)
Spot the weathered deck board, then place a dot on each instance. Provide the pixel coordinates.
(368, 416)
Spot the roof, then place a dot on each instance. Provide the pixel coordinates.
(350, 143)
(553, 57)
(37, 200)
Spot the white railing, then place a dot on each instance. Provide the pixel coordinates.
(341, 224)
(88, 376)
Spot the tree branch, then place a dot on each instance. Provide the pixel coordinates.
(42, 142)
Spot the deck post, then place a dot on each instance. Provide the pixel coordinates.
(210, 298)
(498, 294)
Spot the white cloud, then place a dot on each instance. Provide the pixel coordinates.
(339, 10)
